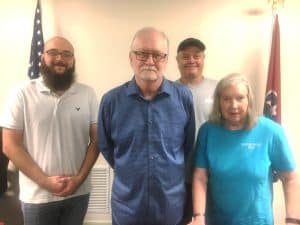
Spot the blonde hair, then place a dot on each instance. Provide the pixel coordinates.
(229, 80)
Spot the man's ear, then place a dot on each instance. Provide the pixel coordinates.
(130, 57)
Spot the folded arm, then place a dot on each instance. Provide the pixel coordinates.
(15, 150)
(91, 156)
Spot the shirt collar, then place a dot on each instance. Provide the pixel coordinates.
(41, 85)
(132, 88)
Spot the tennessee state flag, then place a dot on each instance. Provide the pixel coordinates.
(272, 106)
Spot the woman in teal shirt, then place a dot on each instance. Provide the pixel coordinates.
(236, 153)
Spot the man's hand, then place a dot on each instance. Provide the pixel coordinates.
(54, 183)
(71, 185)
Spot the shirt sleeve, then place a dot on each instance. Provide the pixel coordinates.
(281, 154)
(13, 113)
(105, 143)
(201, 159)
(94, 106)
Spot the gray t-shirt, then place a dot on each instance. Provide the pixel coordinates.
(203, 101)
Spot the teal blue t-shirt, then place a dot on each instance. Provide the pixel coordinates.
(240, 165)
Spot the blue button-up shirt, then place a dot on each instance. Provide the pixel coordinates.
(146, 143)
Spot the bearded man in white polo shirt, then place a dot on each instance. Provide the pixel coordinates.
(50, 135)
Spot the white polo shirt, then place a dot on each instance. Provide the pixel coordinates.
(56, 132)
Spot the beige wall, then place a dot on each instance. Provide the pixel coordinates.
(237, 35)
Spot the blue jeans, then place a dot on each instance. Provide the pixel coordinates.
(66, 212)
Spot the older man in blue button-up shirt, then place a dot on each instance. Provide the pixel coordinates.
(145, 131)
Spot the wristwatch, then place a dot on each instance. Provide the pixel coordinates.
(292, 220)
(198, 214)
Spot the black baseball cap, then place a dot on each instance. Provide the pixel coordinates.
(191, 42)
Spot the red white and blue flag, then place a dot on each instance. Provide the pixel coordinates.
(272, 107)
(37, 44)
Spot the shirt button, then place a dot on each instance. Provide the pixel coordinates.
(151, 157)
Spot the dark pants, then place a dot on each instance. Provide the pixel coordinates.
(66, 212)
(3, 168)
(188, 205)
(3, 173)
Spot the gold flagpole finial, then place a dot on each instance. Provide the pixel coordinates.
(276, 3)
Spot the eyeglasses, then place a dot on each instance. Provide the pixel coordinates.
(64, 54)
(156, 56)
(186, 57)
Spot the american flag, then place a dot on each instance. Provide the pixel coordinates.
(37, 44)
(272, 107)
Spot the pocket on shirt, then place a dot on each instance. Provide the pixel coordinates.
(172, 134)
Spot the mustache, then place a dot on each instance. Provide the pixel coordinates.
(190, 64)
(59, 63)
(149, 68)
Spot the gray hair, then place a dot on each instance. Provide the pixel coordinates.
(233, 79)
(148, 30)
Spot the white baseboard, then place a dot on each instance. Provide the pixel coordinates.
(109, 223)
(97, 223)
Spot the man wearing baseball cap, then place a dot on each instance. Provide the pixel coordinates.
(190, 60)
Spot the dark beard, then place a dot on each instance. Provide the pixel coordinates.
(57, 82)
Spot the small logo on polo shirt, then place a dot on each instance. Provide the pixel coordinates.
(251, 146)
(77, 108)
